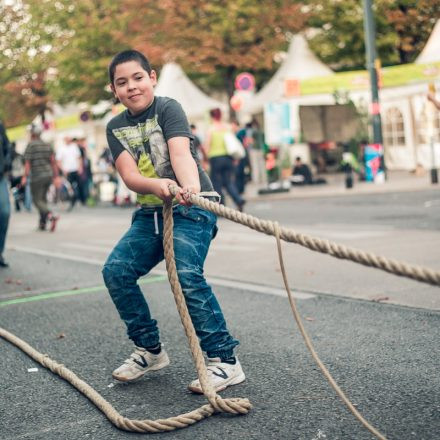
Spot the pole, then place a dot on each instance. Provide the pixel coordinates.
(372, 64)
(431, 115)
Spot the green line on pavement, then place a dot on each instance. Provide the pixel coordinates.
(148, 280)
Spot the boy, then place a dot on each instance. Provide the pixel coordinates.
(152, 147)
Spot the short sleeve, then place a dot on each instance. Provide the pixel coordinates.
(173, 121)
(116, 148)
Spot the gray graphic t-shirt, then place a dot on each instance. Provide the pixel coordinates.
(145, 137)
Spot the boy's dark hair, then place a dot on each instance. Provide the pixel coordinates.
(126, 56)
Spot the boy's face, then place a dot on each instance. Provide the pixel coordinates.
(133, 86)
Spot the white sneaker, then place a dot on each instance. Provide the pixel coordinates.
(221, 375)
(140, 362)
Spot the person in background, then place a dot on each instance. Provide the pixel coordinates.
(221, 163)
(86, 177)
(243, 168)
(69, 162)
(5, 207)
(40, 166)
(301, 169)
(199, 147)
(17, 171)
(257, 152)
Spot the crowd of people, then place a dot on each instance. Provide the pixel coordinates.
(230, 174)
(31, 175)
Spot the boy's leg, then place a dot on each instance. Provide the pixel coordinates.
(194, 229)
(139, 250)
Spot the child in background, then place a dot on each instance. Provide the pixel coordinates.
(152, 146)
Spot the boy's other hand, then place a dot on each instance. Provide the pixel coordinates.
(161, 188)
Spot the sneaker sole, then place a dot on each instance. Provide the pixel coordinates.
(141, 373)
(235, 381)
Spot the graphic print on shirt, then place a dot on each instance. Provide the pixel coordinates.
(146, 144)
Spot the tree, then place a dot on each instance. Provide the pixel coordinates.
(25, 43)
(95, 29)
(402, 29)
(55, 51)
(412, 22)
(219, 37)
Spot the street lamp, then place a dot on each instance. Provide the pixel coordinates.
(373, 65)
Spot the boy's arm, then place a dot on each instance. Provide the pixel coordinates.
(127, 168)
(184, 165)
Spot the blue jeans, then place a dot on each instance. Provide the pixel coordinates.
(140, 249)
(222, 176)
(5, 211)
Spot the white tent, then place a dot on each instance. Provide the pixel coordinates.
(175, 84)
(300, 63)
(431, 51)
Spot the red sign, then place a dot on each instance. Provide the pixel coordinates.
(245, 81)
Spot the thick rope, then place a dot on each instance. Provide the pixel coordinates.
(417, 273)
(309, 344)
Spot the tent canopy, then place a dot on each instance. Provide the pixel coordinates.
(300, 63)
(175, 84)
(431, 51)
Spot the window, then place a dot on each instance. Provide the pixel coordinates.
(394, 129)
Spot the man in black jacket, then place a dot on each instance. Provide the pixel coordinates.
(5, 208)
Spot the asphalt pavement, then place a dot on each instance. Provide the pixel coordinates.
(384, 356)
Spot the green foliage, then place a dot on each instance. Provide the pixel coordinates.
(58, 50)
(221, 37)
(402, 29)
